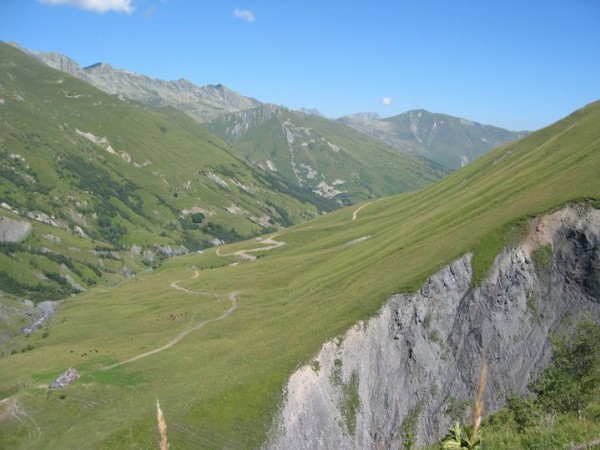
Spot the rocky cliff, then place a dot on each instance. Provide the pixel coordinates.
(397, 374)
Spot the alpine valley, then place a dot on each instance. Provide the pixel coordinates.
(277, 279)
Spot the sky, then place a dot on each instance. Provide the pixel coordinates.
(520, 64)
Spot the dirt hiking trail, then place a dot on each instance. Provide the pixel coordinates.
(268, 244)
(232, 298)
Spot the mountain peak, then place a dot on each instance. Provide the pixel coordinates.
(311, 112)
(366, 115)
(447, 140)
(98, 66)
(201, 103)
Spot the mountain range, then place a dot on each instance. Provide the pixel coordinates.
(313, 325)
(446, 140)
(201, 103)
(107, 188)
(99, 175)
(324, 156)
(216, 336)
(450, 141)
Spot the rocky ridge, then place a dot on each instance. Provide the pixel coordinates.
(397, 373)
(201, 103)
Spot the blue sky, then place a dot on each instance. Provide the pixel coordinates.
(516, 64)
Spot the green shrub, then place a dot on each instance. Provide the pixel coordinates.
(569, 383)
(197, 217)
(455, 409)
(526, 411)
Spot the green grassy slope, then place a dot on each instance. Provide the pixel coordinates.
(122, 174)
(309, 151)
(219, 386)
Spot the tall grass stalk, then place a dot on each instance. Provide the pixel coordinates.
(162, 427)
(478, 404)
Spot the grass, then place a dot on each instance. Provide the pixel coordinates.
(566, 432)
(542, 256)
(349, 401)
(408, 427)
(221, 385)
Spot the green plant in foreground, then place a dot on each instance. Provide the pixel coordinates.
(459, 439)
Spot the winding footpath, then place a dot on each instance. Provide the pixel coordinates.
(270, 242)
(232, 298)
(357, 210)
(10, 408)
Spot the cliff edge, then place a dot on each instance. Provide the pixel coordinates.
(396, 376)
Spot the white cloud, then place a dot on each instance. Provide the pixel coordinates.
(98, 6)
(386, 101)
(245, 14)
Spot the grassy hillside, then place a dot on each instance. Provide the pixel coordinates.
(332, 160)
(252, 323)
(107, 174)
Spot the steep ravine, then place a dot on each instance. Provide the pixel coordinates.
(423, 350)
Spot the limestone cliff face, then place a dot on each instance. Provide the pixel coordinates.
(398, 372)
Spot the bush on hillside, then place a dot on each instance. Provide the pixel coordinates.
(571, 380)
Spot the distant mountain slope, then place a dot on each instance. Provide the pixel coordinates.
(332, 160)
(450, 141)
(201, 103)
(97, 172)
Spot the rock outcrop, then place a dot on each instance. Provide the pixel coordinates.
(65, 379)
(12, 230)
(398, 373)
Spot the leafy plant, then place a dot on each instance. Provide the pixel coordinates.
(460, 439)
